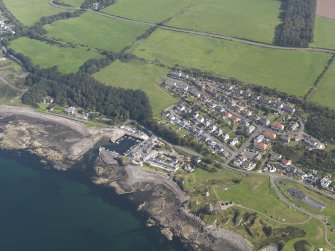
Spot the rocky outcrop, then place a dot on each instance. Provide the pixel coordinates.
(166, 211)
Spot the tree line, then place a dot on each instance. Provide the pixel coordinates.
(298, 23)
(315, 159)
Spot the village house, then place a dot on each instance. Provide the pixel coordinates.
(264, 121)
(293, 126)
(235, 119)
(70, 110)
(325, 182)
(261, 146)
(234, 142)
(287, 162)
(259, 138)
(277, 126)
(250, 129)
(270, 135)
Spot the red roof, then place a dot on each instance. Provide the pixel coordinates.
(270, 135)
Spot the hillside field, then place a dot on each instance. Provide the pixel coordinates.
(324, 34)
(95, 31)
(326, 89)
(255, 20)
(29, 12)
(288, 71)
(68, 60)
(136, 75)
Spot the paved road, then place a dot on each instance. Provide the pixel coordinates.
(199, 33)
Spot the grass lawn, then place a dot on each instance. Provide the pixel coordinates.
(288, 71)
(67, 59)
(328, 211)
(136, 75)
(95, 31)
(147, 10)
(74, 3)
(267, 201)
(324, 34)
(251, 19)
(30, 11)
(326, 89)
(253, 192)
(314, 235)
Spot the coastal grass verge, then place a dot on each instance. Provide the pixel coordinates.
(293, 72)
(68, 60)
(29, 12)
(255, 20)
(95, 31)
(137, 75)
(325, 92)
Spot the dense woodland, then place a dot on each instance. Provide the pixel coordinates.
(298, 23)
(84, 91)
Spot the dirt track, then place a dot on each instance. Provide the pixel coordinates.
(326, 8)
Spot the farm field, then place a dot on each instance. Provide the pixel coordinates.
(136, 75)
(29, 12)
(326, 89)
(292, 72)
(147, 10)
(325, 8)
(324, 34)
(255, 20)
(95, 31)
(68, 60)
(74, 3)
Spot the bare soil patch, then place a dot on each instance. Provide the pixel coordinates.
(326, 8)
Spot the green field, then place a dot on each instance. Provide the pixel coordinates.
(74, 3)
(95, 31)
(254, 20)
(253, 192)
(251, 19)
(135, 75)
(267, 201)
(324, 34)
(30, 11)
(328, 211)
(288, 71)
(147, 10)
(326, 89)
(67, 59)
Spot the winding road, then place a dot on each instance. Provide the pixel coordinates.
(193, 32)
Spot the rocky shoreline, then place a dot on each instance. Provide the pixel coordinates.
(62, 142)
